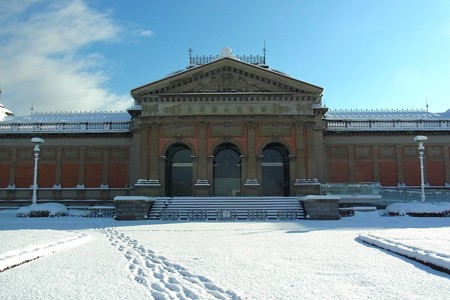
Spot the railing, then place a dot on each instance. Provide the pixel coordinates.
(65, 127)
(363, 188)
(79, 193)
(250, 59)
(410, 194)
(373, 125)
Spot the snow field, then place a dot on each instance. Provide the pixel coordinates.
(224, 260)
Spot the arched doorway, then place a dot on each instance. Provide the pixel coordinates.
(179, 171)
(227, 171)
(275, 170)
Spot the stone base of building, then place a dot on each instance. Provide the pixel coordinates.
(148, 188)
(132, 207)
(321, 207)
(305, 187)
(202, 188)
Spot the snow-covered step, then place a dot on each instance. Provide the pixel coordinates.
(226, 208)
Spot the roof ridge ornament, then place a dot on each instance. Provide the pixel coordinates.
(226, 52)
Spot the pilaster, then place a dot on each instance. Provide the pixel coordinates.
(399, 161)
(252, 186)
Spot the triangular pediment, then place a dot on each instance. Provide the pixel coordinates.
(226, 75)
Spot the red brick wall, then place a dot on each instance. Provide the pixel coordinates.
(388, 173)
(435, 172)
(411, 172)
(4, 174)
(93, 174)
(5, 160)
(118, 175)
(24, 175)
(118, 167)
(363, 171)
(46, 175)
(338, 171)
(69, 174)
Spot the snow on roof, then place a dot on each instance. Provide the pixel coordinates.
(4, 112)
(76, 117)
(383, 114)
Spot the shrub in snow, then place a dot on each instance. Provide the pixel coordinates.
(42, 210)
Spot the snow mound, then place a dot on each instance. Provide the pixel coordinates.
(410, 244)
(20, 256)
(402, 209)
(42, 210)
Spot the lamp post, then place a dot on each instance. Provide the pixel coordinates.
(36, 141)
(420, 139)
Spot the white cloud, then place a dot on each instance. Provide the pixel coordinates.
(45, 58)
(147, 33)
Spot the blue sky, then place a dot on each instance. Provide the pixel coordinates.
(87, 55)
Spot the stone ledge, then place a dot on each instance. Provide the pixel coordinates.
(321, 207)
(132, 207)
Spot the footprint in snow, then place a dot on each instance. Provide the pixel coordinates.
(163, 278)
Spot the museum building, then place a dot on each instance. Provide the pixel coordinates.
(225, 126)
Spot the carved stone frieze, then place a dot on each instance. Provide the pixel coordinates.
(224, 81)
(224, 107)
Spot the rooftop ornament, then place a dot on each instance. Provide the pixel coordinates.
(259, 60)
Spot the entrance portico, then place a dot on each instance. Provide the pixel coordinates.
(227, 128)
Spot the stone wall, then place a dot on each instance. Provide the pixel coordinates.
(321, 207)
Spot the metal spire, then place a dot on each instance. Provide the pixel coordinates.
(264, 53)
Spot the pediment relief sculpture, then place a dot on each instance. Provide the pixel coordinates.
(226, 79)
(227, 82)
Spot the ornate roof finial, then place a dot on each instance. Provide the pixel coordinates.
(426, 104)
(190, 53)
(264, 53)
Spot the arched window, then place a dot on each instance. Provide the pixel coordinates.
(179, 171)
(275, 171)
(227, 171)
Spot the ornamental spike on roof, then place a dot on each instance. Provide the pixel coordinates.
(259, 60)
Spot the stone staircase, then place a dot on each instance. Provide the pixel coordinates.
(226, 208)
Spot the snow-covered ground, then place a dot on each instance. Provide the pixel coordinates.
(101, 258)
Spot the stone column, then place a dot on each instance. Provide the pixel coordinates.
(311, 161)
(318, 153)
(153, 142)
(105, 167)
(300, 150)
(399, 155)
(351, 164)
(252, 186)
(202, 185)
(58, 166)
(11, 193)
(210, 173)
(292, 172)
(375, 164)
(135, 156)
(148, 184)
(446, 165)
(13, 166)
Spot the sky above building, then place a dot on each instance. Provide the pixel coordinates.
(74, 55)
